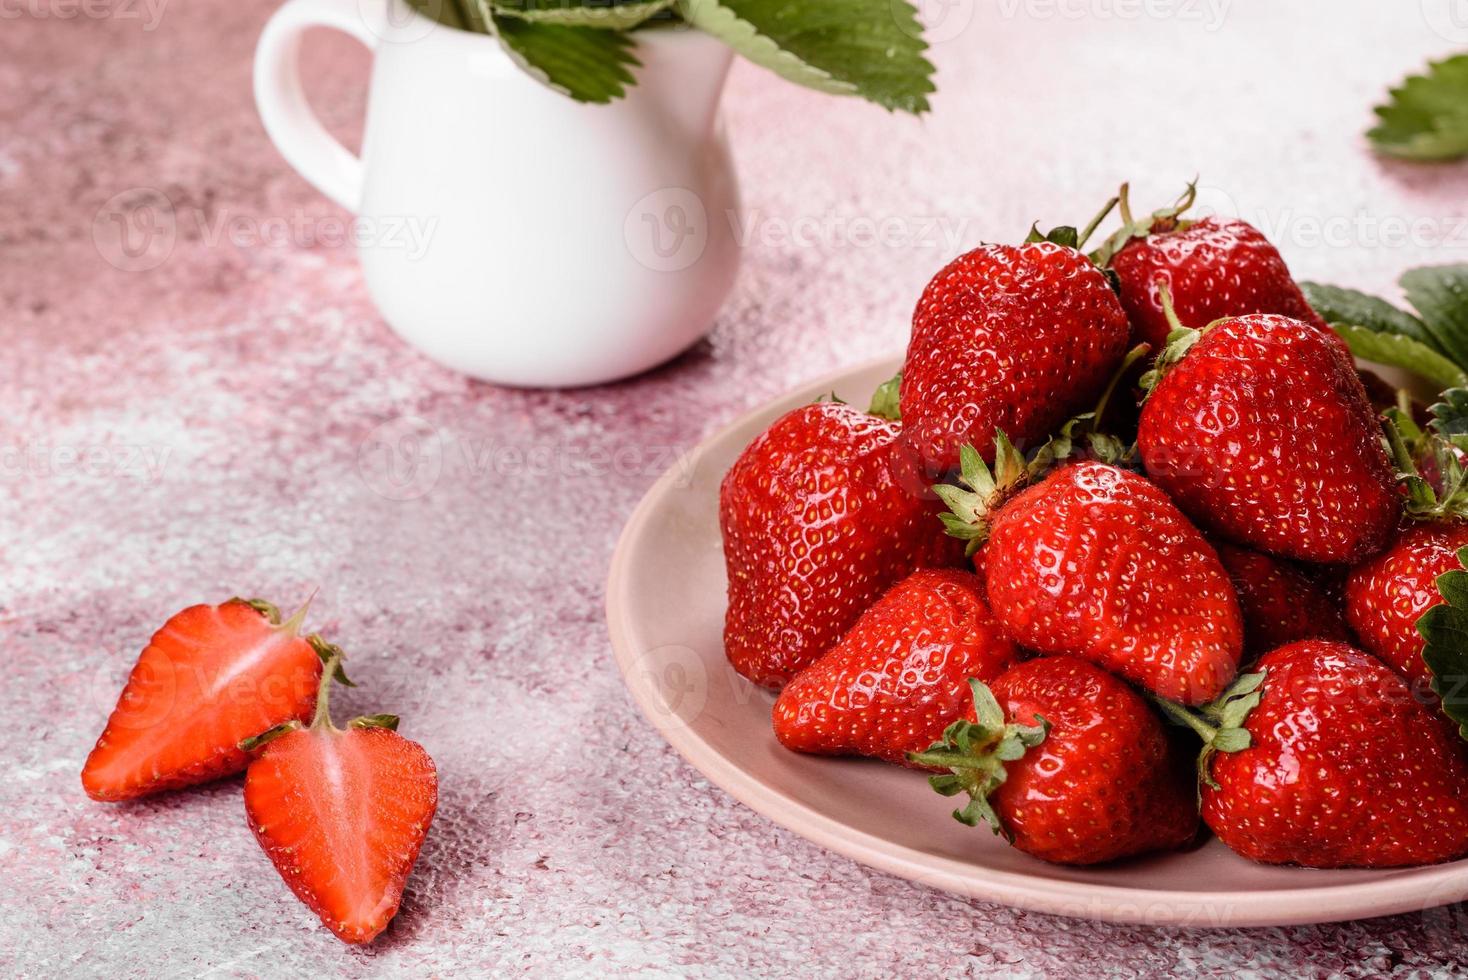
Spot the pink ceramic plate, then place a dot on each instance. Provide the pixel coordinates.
(665, 606)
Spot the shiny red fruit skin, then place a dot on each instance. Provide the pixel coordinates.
(1263, 435)
(1215, 268)
(342, 815)
(900, 675)
(1010, 337)
(1279, 602)
(1106, 783)
(819, 515)
(1344, 770)
(1095, 562)
(1388, 594)
(209, 678)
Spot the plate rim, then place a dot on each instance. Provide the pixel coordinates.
(1398, 891)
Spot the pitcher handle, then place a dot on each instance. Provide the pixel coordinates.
(281, 101)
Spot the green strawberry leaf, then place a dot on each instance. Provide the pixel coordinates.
(1440, 295)
(1445, 628)
(1403, 352)
(461, 15)
(871, 48)
(1336, 304)
(1426, 117)
(588, 64)
(1450, 416)
(606, 15)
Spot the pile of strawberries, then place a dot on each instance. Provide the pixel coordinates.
(1199, 555)
(341, 813)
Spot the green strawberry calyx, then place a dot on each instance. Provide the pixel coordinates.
(1161, 221)
(1068, 235)
(886, 400)
(1088, 427)
(1409, 446)
(981, 489)
(321, 719)
(292, 627)
(976, 754)
(1180, 340)
(1220, 723)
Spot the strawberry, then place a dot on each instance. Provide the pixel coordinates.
(1214, 267)
(1324, 759)
(341, 813)
(900, 675)
(1083, 771)
(211, 676)
(1011, 337)
(1095, 562)
(1280, 603)
(1262, 433)
(819, 515)
(1386, 596)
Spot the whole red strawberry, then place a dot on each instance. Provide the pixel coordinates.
(1263, 435)
(1007, 337)
(211, 676)
(819, 515)
(1280, 603)
(1214, 267)
(1338, 766)
(900, 675)
(342, 813)
(1095, 562)
(1386, 596)
(1082, 772)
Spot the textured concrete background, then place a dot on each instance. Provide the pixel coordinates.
(212, 425)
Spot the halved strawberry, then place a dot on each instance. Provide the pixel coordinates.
(210, 677)
(342, 813)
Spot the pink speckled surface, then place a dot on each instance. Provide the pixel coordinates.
(207, 426)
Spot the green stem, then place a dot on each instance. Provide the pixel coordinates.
(1180, 714)
(1164, 293)
(1132, 356)
(945, 760)
(1123, 198)
(321, 720)
(1401, 455)
(1186, 199)
(1090, 229)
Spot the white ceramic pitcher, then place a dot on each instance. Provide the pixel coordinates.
(507, 231)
